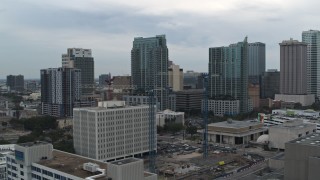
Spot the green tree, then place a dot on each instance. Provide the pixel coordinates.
(2, 142)
(191, 130)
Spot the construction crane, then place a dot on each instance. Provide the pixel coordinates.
(152, 127)
(109, 83)
(152, 151)
(205, 114)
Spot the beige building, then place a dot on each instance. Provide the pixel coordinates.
(254, 95)
(288, 131)
(175, 77)
(235, 132)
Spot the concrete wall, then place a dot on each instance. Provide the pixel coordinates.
(279, 135)
(305, 100)
(297, 164)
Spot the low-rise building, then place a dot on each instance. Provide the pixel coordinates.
(289, 130)
(304, 100)
(235, 132)
(38, 160)
(302, 158)
(168, 116)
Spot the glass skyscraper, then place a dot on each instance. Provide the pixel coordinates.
(228, 73)
(149, 67)
(312, 39)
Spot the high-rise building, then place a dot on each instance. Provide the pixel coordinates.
(112, 130)
(312, 39)
(192, 80)
(293, 67)
(256, 61)
(103, 78)
(15, 82)
(149, 67)
(60, 89)
(175, 77)
(81, 59)
(270, 84)
(293, 73)
(228, 74)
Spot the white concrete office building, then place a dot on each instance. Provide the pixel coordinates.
(112, 130)
(38, 160)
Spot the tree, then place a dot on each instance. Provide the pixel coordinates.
(4, 123)
(4, 142)
(191, 130)
(173, 127)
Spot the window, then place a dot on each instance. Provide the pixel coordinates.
(21, 173)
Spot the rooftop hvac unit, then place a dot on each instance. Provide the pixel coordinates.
(91, 167)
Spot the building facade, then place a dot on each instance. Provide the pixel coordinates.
(81, 59)
(256, 61)
(167, 117)
(112, 130)
(149, 67)
(60, 89)
(289, 130)
(189, 100)
(175, 77)
(312, 39)
(301, 159)
(228, 74)
(15, 82)
(293, 67)
(270, 84)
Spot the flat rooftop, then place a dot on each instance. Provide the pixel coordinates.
(71, 164)
(111, 108)
(308, 140)
(234, 124)
(29, 144)
(125, 161)
(293, 127)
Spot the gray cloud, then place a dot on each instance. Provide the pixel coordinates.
(35, 33)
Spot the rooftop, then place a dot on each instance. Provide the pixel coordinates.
(234, 124)
(297, 124)
(125, 161)
(71, 164)
(29, 144)
(308, 140)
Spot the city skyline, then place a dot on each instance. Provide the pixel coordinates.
(36, 32)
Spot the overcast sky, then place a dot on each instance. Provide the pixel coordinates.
(34, 33)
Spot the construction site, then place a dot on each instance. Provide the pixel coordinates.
(183, 159)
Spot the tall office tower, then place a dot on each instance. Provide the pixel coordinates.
(112, 131)
(103, 78)
(270, 84)
(15, 82)
(60, 89)
(81, 59)
(175, 77)
(149, 67)
(312, 39)
(256, 61)
(228, 70)
(293, 67)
